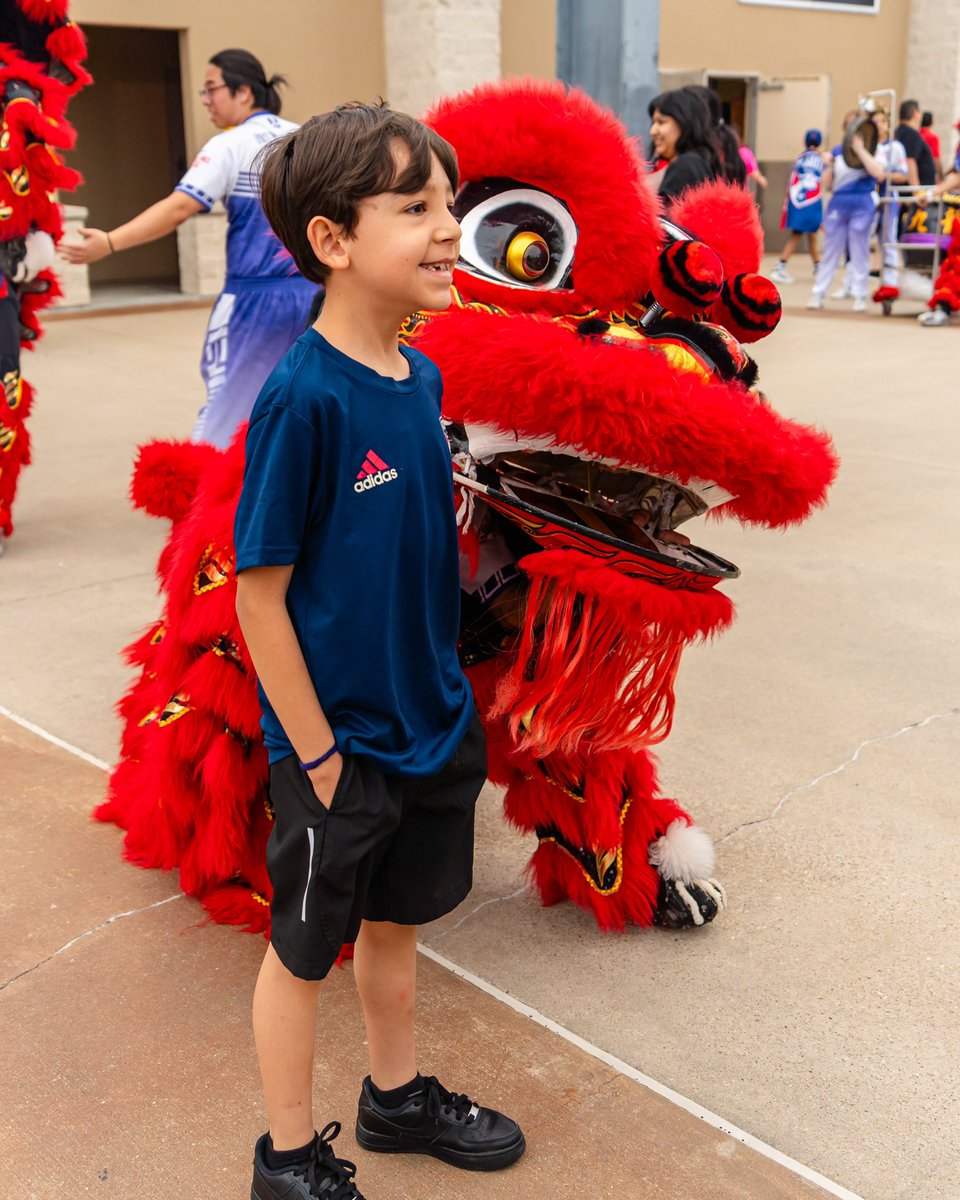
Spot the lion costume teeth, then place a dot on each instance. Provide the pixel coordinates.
(588, 421)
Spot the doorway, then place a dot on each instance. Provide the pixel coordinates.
(738, 97)
(130, 148)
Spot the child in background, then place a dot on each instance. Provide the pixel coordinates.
(803, 205)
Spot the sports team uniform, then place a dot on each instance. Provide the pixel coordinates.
(346, 473)
(264, 304)
(803, 210)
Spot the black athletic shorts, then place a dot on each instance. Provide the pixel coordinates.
(389, 848)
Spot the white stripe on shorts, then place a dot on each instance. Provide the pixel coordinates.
(303, 906)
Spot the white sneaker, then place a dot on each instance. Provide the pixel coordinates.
(781, 275)
(841, 294)
(860, 304)
(814, 302)
(936, 316)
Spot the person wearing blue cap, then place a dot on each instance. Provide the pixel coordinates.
(803, 205)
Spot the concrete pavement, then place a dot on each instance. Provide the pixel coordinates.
(815, 742)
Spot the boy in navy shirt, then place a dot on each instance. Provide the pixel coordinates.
(347, 594)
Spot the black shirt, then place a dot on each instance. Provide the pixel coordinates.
(685, 171)
(918, 150)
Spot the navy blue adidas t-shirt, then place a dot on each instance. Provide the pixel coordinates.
(348, 477)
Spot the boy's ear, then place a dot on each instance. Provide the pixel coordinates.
(328, 243)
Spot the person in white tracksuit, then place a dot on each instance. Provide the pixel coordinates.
(848, 224)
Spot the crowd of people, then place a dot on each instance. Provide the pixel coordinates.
(691, 142)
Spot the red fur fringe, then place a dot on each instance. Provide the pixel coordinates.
(30, 175)
(69, 45)
(598, 823)
(598, 656)
(44, 10)
(14, 451)
(725, 217)
(166, 476)
(946, 289)
(630, 401)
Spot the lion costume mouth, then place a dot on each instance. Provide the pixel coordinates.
(566, 499)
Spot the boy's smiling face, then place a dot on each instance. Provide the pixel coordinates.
(404, 246)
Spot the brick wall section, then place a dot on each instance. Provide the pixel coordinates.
(933, 65)
(438, 47)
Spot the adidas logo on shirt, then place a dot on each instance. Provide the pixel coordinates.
(373, 472)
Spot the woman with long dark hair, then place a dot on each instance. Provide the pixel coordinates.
(683, 141)
(733, 168)
(264, 304)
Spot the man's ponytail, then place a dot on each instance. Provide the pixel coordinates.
(272, 103)
(241, 68)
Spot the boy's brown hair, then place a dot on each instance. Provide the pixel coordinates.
(333, 161)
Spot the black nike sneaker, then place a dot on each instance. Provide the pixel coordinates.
(321, 1177)
(437, 1122)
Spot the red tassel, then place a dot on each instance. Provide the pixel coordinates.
(591, 637)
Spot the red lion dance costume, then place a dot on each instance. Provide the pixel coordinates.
(596, 395)
(946, 287)
(41, 51)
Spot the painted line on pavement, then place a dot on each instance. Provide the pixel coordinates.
(624, 1068)
(52, 737)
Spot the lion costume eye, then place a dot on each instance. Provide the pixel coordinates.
(515, 234)
(528, 256)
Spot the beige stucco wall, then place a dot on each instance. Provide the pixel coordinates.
(528, 38)
(860, 52)
(329, 50)
(435, 50)
(933, 66)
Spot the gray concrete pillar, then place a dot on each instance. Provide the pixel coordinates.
(438, 47)
(611, 48)
(933, 66)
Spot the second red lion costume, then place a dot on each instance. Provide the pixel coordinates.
(41, 57)
(597, 396)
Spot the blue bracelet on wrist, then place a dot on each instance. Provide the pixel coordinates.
(334, 749)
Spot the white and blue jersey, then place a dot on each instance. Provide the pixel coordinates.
(804, 212)
(265, 303)
(852, 186)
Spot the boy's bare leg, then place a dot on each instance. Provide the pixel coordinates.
(385, 970)
(284, 1026)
